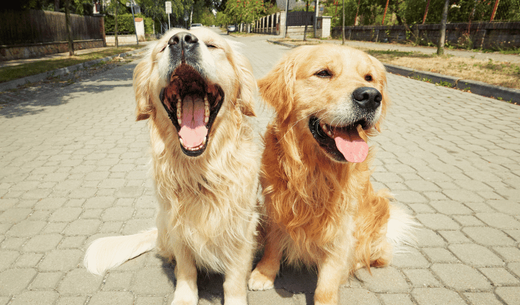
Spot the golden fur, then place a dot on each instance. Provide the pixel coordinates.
(322, 212)
(207, 204)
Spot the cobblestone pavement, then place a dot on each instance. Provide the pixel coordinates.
(74, 167)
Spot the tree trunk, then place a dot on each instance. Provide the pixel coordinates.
(305, 31)
(115, 26)
(69, 28)
(442, 39)
(56, 5)
(343, 24)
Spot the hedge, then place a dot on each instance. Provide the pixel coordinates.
(125, 24)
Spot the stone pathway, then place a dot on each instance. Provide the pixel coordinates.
(74, 167)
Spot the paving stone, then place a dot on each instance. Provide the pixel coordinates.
(511, 207)
(153, 281)
(421, 278)
(65, 214)
(46, 280)
(117, 214)
(466, 220)
(499, 220)
(454, 237)
(26, 228)
(488, 236)
(476, 255)
(436, 296)
(14, 215)
(463, 195)
(511, 295)
(118, 281)
(461, 277)
(27, 260)
(386, 279)
(396, 299)
(440, 255)
(13, 281)
(450, 207)
(144, 300)
(112, 298)
(7, 258)
(509, 254)
(362, 296)
(482, 298)
(272, 296)
(409, 258)
(61, 260)
(82, 227)
(35, 298)
(79, 282)
(437, 222)
(499, 276)
(71, 300)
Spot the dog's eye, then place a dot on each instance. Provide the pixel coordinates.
(324, 73)
(211, 46)
(368, 78)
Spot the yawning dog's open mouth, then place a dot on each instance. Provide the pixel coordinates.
(192, 104)
(341, 143)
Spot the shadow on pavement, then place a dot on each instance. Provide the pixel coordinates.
(36, 99)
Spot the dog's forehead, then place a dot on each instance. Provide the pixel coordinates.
(333, 57)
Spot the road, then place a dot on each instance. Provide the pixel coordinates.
(74, 167)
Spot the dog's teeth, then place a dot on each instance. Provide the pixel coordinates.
(204, 141)
(206, 110)
(179, 121)
(329, 133)
(178, 113)
(180, 140)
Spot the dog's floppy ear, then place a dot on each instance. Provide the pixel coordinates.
(142, 90)
(277, 87)
(247, 84)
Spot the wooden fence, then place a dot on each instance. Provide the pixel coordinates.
(30, 27)
(487, 35)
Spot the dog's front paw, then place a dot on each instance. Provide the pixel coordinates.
(184, 299)
(259, 281)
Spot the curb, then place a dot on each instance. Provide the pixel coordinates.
(476, 87)
(59, 72)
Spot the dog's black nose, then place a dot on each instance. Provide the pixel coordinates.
(183, 37)
(367, 97)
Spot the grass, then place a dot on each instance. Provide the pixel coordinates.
(504, 74)
(37, 67)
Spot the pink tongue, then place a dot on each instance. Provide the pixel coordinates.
(193, 130)
(350, 144)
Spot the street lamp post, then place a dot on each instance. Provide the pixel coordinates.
(133, 17)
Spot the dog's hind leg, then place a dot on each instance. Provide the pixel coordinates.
(109, 252)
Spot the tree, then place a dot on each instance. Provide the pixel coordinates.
(68, 26)
(442, 39)
(244, 11)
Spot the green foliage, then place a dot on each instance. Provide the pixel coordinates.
(125, 24)
(247, 11)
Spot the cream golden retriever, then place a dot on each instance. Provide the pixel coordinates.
(321, 208)
(197, 93)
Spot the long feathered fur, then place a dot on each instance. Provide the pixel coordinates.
(321, 212)
(208, 211)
